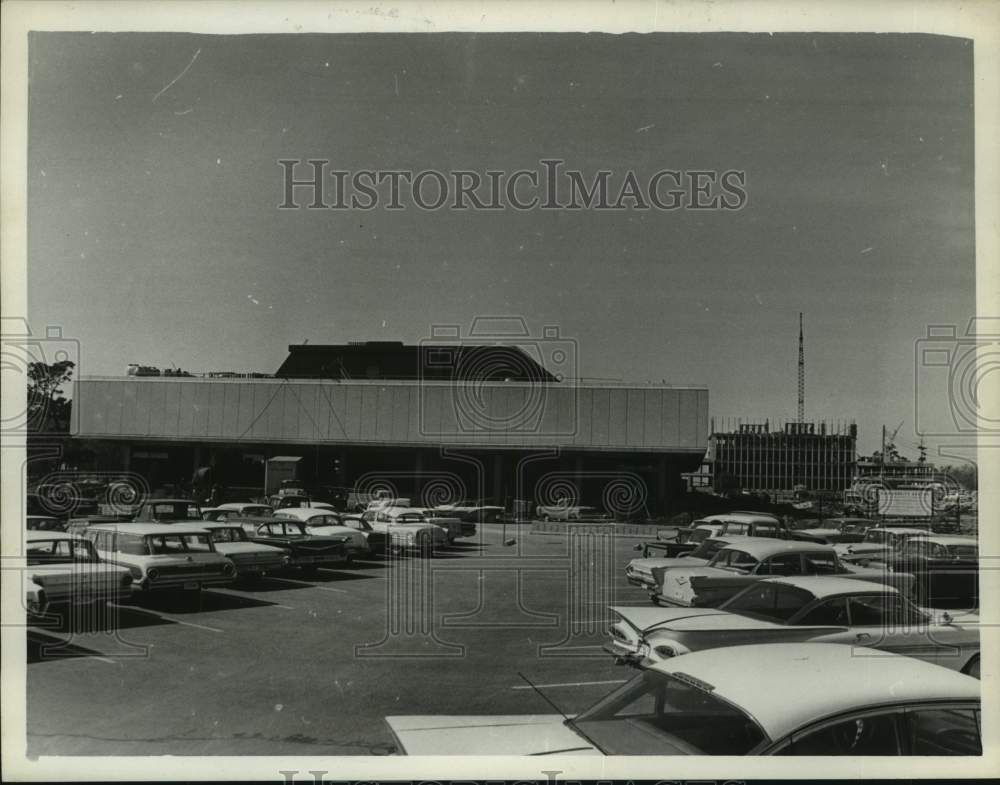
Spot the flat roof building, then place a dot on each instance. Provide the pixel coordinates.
(508, 430)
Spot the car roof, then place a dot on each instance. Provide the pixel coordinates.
(42, 517)
(143, 529)
(821, 586)
(239, 505)
(301, 513)
(171, 500)
(828, 678)
(402, 510)
(950, 539)
(219, 525)
(762, 547)
(33, 535)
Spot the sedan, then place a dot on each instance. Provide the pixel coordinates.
(779, 699)
(817, 608)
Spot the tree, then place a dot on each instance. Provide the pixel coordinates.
(966, 475)
(48, 409)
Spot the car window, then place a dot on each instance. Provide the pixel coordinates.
(876, 734)
(227, 534)
(961, 552)
(939, 731)
(888, 610)
(736, 559)
(58, 551)
(830, 613)
(820, 563)
(167, 544)
(131, 544)
(768, 601)
(782, 564)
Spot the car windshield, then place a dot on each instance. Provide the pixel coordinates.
(707, 549)
(228, 534)
(59, 552)
(260, 511)
(769, 602)
(963, 551)
(657, 714)
(699, 535)
(164, 544)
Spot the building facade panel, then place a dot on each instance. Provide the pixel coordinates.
(397, 412)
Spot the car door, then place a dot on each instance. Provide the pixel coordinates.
(889, 623)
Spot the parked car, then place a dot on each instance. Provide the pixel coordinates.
(167, 511)
(879, 542)
(639, 572)
(288, 501)
(473, 512)
(324, 523)
(827, 536)
(44, 523)
(378, 541)
(564, 511)
(755, 558)
(676, 541)
(783, 610)
(946, 569)
(450, 524)
(755, 524)
(246, 509)
(308, 551)
(68, 571)
(163, 556)
(766, 699)
(252, 559)
(406, 529)
(78, 526)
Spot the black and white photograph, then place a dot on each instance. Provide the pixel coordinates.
(393, 381)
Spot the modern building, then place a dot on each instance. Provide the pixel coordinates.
(798, 456)
(433, 423)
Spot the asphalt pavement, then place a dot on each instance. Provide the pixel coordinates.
(304, 665)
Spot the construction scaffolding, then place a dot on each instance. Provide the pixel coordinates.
(798, 456)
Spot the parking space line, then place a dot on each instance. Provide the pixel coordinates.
(568, 684)
(168, 618)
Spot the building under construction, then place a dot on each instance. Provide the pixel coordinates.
(798, 456)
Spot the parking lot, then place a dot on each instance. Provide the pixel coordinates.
(311, 665)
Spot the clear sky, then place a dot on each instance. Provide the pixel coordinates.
(154, 233)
